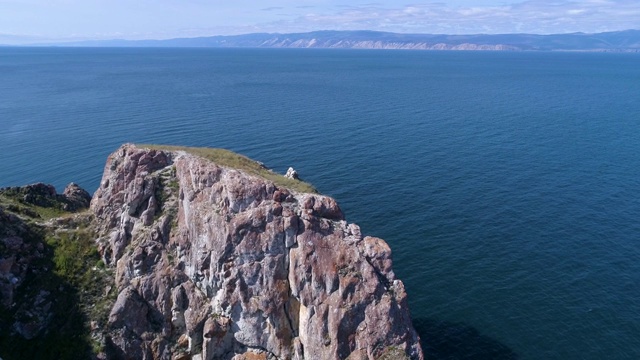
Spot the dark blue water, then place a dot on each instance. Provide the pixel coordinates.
(507, 184)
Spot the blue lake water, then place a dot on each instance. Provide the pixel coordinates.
(507, 184)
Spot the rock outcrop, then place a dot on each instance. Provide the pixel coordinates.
(194, 254)
(292, 174)
(72, 199)
(215, 263)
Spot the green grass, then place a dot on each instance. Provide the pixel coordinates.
(75, 253)
(233, 160)
(70, 269)
(393, 353)
(77, 263)
(67, 272)
(13, 204)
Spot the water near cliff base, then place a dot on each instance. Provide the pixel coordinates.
(506, 183)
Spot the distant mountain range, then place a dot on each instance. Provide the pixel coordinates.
(618, 41)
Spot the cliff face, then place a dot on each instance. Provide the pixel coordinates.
(286, 42)
(213, 261)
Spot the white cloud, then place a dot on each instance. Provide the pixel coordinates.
(534, 16)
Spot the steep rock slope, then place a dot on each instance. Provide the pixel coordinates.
(216, 263)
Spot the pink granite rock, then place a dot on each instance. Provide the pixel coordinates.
(239, 267)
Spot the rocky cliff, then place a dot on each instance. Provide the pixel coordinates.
(210, 256)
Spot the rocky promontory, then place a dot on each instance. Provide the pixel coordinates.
(205, 254)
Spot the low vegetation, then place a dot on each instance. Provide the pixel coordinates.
(393, 353)
(12, 202)
(233, 160)
(64, 286)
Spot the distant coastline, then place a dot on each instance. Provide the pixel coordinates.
(617, 41)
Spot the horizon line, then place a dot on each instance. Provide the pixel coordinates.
(89, 38)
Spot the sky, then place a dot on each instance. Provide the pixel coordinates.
(162, 19)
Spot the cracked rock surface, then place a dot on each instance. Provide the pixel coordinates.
(215, 263)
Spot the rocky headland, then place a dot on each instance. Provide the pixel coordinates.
(187, 253)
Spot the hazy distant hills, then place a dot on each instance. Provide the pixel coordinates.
(624, 41)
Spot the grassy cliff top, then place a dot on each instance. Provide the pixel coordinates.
(233, 160)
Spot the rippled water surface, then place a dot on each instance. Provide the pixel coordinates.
(507, 184)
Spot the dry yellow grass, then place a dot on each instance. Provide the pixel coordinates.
(233, 160)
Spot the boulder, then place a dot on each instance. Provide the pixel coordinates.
(292, 174)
